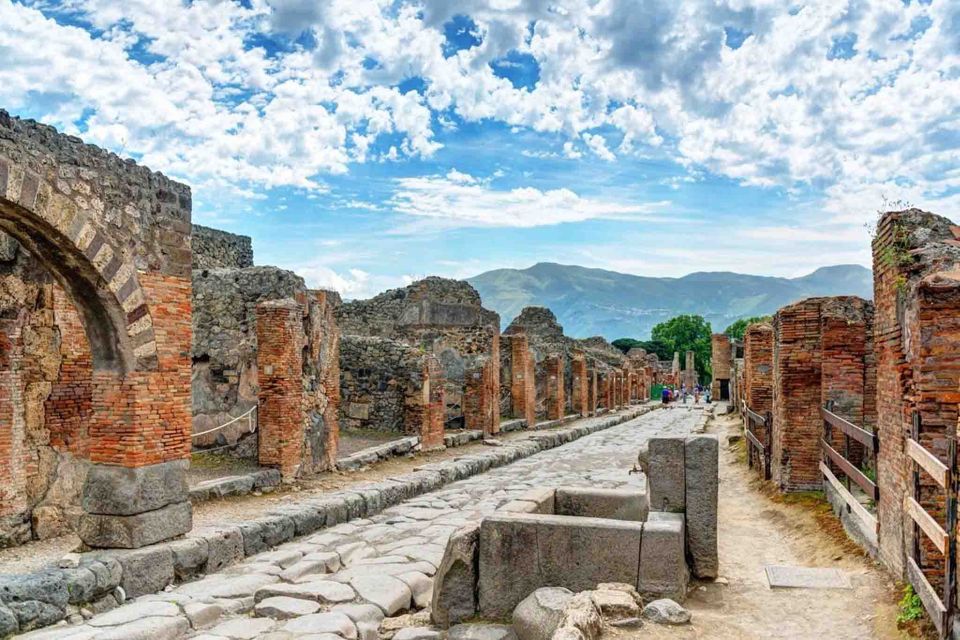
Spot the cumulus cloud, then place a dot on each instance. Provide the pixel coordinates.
(841, 97)
(459, 200)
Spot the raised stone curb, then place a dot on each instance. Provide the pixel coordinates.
(40, 599)
(374, 454)
(262, 480)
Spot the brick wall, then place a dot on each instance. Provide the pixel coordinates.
(426, 414)
(917, 346)
(68, 406)
(820, 355)
(13, 499)
(522, 380)
(555, 400)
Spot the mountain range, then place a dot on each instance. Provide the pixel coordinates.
(590, 302)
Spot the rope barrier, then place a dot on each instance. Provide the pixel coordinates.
(247, 414)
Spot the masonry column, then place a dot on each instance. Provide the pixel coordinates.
(592, 392)
(481, 398)
(280, 378)
(796, 396)
(581, 394)
(13, 496)
(555, 387)
(523, 389)
(433, 404)
(720, 362)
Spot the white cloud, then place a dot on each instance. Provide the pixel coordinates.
(181, 85)
(457, 200)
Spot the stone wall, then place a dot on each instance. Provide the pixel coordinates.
(216, 249)
(115, 238)
(380, 379)
(224, 346)
(440, 316)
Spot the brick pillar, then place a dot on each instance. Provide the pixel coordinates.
(523, 384)
(481, 398)
(581, 384)
(592, 392)
(917, 346)
(555, 387)
(690, 370)
(136, 492)
(280, 378)
(721, 364)
(796, 396)
(434, 405)
(675, 368)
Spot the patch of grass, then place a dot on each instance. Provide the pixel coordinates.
(911, 608)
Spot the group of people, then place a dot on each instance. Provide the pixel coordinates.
(671, 394)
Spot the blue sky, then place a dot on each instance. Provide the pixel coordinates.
(365, 143)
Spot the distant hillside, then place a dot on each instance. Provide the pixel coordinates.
(591, 302)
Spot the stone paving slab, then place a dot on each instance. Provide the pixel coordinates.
(784, 577)
(387, 560)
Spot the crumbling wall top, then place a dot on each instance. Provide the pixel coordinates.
(216, 249)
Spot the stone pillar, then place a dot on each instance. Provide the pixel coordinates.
(555, 387)
(721, 362)
(280, 378)
(675, 368)
(690, 371)
(581, 383)
(523, 384)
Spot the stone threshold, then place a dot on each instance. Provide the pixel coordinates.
(376, 453)
(264, 480)
(103, 579)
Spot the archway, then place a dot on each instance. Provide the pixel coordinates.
(116, 238)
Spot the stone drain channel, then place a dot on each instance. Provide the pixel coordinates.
(354, 580)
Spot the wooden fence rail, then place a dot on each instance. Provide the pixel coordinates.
(850, 471)
(754, 446)
(945, 477)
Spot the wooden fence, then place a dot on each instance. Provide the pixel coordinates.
(755, 448)
(944, 539)
(850, 471)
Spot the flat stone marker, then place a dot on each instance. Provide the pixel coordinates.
(806, 578)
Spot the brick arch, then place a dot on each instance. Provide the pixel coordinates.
(101, 281)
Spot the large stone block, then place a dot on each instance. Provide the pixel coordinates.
(663, 565)
(522, 552)
(665, 476)
(455, 582)
(702, 487)
(224, 547)
(135, 531)
(124, 491)
(615, 504)
(508, 563)
(145, 571)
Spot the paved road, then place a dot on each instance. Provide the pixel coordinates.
(387, 560)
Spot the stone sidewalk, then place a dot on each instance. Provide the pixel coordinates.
(348, 580)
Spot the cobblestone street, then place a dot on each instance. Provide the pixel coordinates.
(346, 579)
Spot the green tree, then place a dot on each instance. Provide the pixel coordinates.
(737, 329)
(687, 333)
(650, 346)
(625, 344)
